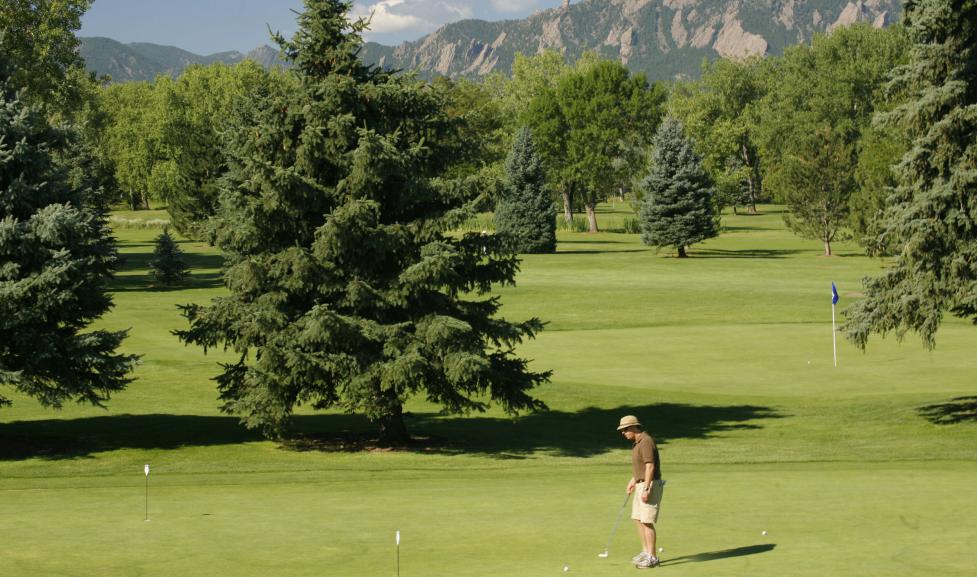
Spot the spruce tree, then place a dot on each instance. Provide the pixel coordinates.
(525, 216)
(678, 208)
(56, 257)
(169, 266)
(346, 287)
(931, 217)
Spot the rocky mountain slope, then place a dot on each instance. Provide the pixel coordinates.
(663, 38)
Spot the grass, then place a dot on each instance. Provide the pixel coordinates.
(863, 469)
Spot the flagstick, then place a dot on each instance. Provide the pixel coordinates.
(834, 333)
(146, 469)
(398, 553)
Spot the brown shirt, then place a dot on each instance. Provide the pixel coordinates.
(645, 451)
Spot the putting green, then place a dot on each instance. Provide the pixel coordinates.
(863, 469)
(821, 519)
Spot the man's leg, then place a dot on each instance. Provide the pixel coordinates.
(648, 537)
(643, 554)
(641, 535)
(648, 542)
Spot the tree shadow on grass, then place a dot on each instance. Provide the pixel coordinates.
(744, 253)
(956, 410)
(596, 252)
(145, 283)
(723, 554)
(600, 250)
(735, 228)
(71, 438)
(584, 433)
(139, 263)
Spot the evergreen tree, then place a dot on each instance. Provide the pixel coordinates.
(56, 256)
(168, 266)
(932, 214)
(346, 288)
(525, 215)
(678, 208)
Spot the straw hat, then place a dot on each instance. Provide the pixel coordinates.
(628, 421)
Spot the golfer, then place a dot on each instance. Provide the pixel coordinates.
(646, 480)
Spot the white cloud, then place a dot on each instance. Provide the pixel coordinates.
(397, 20)
(386, 17)
(513, 5)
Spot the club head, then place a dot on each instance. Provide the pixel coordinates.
(602, 555)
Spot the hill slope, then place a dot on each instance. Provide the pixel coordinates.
(145, 61)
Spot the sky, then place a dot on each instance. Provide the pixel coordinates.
(209, 26)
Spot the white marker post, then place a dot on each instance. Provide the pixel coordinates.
(398, 553)
(146, 469)
(834, 330)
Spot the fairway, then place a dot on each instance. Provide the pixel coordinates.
(866, 469)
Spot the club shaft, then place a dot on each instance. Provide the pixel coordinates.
(617, 522)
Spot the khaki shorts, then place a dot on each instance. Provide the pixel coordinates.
(647, 513)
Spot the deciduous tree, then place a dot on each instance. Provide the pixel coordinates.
(818, 183)
(879, 150)
(594, 117)
(192, 111)
(38, 39)
(718, 113)
(819, 100)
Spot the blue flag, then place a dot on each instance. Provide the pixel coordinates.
(834, 294)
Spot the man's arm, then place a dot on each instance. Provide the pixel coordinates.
(649, 475)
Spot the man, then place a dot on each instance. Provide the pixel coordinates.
(646, 482)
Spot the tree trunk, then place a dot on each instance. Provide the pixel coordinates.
(592, 216)
(753, 180)
(568, 207)
(681, 252)
(827, 248)
(751, 209)
(393, 431)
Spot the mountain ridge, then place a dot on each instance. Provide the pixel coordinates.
(664, 39)
(145, 61)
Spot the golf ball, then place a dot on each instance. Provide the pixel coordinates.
(566, 568)
(763, 532)
(661, 549)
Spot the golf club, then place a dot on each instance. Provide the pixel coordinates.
(614, 530)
